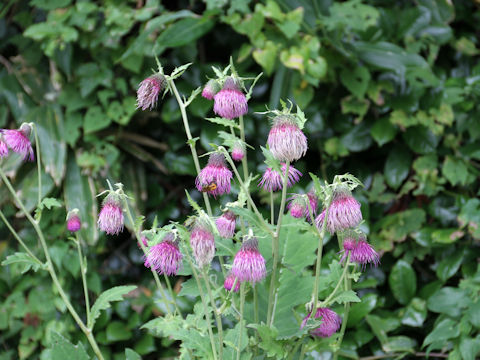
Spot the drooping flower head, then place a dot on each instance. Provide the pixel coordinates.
(298, 205)
(286, 141)
(330, 322)
(210, 89)
(229, 281)
(226, 224)
(272, 180)
(349, 244)
(3, 148)
(238, 151)
(249, 264)
(110, 218)
(19, 141)
(344, 212)
(73, 221)
(165, 257)
(230, 102)
(202, 243)
(149, 90)
(215, 178)
(363, 254)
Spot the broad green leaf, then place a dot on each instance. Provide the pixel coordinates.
(350, 14)
(24, 260)
(117, 331)
(470, 348)
(473, 314)
(399, 344)
(383, 131)
(184, 31)
(470, 216)
(231, 338)
(358, 311)
(397, 166)
(449, 301)
(421, 140)
(269, 342)
(444, 330)
(95, 119)
(416, 313)
(131, 355)
(103, 302)
(358, 138)
(403, 282)
(50, 4)
(449, 265)
(28, 188)
(62, 349)
(189, 288)
(266, 56)
(455, 170)
(355, 80)
(382, 325)
(446, 236)
(346, 296)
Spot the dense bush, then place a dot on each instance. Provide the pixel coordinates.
(391, 92)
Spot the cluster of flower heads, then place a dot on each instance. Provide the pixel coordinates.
(18, 141)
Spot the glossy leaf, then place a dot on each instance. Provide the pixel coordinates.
(403, 282)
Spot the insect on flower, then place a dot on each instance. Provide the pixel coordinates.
(210, 187)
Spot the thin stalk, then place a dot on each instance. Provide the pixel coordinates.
(145, 251)
(218, 318)
(172, 294)
(302, 352)
(348, 285)
(87, 331)
(255, 313)
(16, 236)
(242, 305)
(244, 159)
(272, 209)
(191, 143)
(39, 168)
(83, 271)
(342, 279)
(205, 309)
(275, 247)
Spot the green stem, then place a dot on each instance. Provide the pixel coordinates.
(272, 209)
(83, 271)
(39, 171)
(205, 308)
(348, 285)
(145, 251)
(244, 159)
(16, 236)
(275, 248)
(172, 294)
(218, 318)
(191, 142)
(342, 277)
(242, 305)
(87, 331)
(255, 313)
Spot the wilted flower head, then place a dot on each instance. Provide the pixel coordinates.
(286, 141)
(215, 178)
(272, 180)
(110, 218)
(3, 148)
(149, 90)
(203, 243)
(230, 102)
(330, 322)
(249, 264)
(226, 224)
(73, 221)
(19, 141)
(165, 257)
(229, 281)
(210, 89)
(238, 151)
(344, 212)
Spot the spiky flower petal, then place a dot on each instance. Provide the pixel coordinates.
(3, 148)
(19, 141)
(165, 257)
(229, 281)
(230, 102)
(202, 243)
(363, 254)
(110, 218)
(226, 224)
(210, 89)
(249, 264)
(149, 90)
(330, 322)
(286, 141)
(344, 212)
(215, 178)
(272, 180)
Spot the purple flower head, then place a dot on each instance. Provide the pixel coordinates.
(363, 253)
(229, 281)
(19, 141)
(272, 180)
(226, 224)
(203, 243)
(165, 257)
(238, 151)
(249, 264)
(349, 244)
(214, 178)
(230, 102)
(73, 221)
(344, 212)
(330, 322)
(286, 141)
(3, 148)
(149, 90)
(110, 218)
(211, 88)
(297, 206)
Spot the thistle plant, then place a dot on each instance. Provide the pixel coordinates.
(256, 271)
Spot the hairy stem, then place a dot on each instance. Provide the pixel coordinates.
(242, 305)
(272, 209)
(172, 294)
(348, 286)
(343, 279)
(39, 167)
(218, 318)
(244, 159)
(83, 270)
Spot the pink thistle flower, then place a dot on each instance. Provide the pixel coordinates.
(349, 245)
(229, 281)
(203, 244)
(286, 141)
(73, 222)
(344, 212)
(3, 148)
(226, 224)
(297, 206)
(363, 253)
(238, 151)
(211, 88)
(330, 322)
(215, 178)
(19, 142)
(110, 218)
(165, 257)
(149, 90)
(230, 102)
(249, 264)
(272, 179)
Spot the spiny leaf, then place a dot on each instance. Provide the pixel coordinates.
(270, 160)
(224, 122)
(178, 71)
(24, 259)
(103, 302)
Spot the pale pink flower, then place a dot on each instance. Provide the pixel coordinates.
(330, 322)
(238, 151)
(210, 89)
(149, 90)
(202, 243)
(249, 264)
(230, 102)
(110, 218)
(226, 224)
(229, 281)
(19, 141)
(285, 140)
(165, 257)
(215, 178)
(272, 180)
(344, 212)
